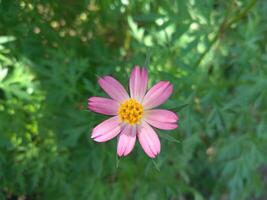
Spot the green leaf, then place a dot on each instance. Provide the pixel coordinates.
(169, 138)
(179, 108)
(156, 165)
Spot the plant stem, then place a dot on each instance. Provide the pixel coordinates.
(224, 26)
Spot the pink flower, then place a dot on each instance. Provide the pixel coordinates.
(133, 116)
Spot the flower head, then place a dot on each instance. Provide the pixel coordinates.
(134, 115)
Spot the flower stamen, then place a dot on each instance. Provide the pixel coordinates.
(130, 111)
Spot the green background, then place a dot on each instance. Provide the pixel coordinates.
(214, 52)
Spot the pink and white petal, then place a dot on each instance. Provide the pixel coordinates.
(107, 130)
(148, 139)
(157, 95)
(127, 140)
(162, 125)
(162, 119)
(113, 88)
(138, 83)
(103, 105)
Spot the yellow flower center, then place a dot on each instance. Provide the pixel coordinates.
(130, 111)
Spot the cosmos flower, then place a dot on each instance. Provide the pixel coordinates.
(134, 115)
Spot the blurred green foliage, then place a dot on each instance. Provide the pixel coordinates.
(213, 51)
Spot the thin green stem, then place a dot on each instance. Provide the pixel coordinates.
(224, 26)
(243, 13)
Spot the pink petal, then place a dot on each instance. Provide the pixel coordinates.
(113, 88)
(103, 105)
(162, 119)
(149, 140)
(106, 130)
(127, 140)
(158, 94)
(138, 83)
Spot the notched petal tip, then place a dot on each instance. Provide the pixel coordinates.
(158, 94)
(113, 88)
(106, 130)
(138, 83)
(136, 67)
(152, 156)
(103, 105)
(149, 140)
(100, 80)
(123, 154)
(119, 154)
(126, 141)
(161, 119)
(144, 71)
(92, 137)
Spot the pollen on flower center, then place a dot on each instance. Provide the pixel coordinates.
(130, 111)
